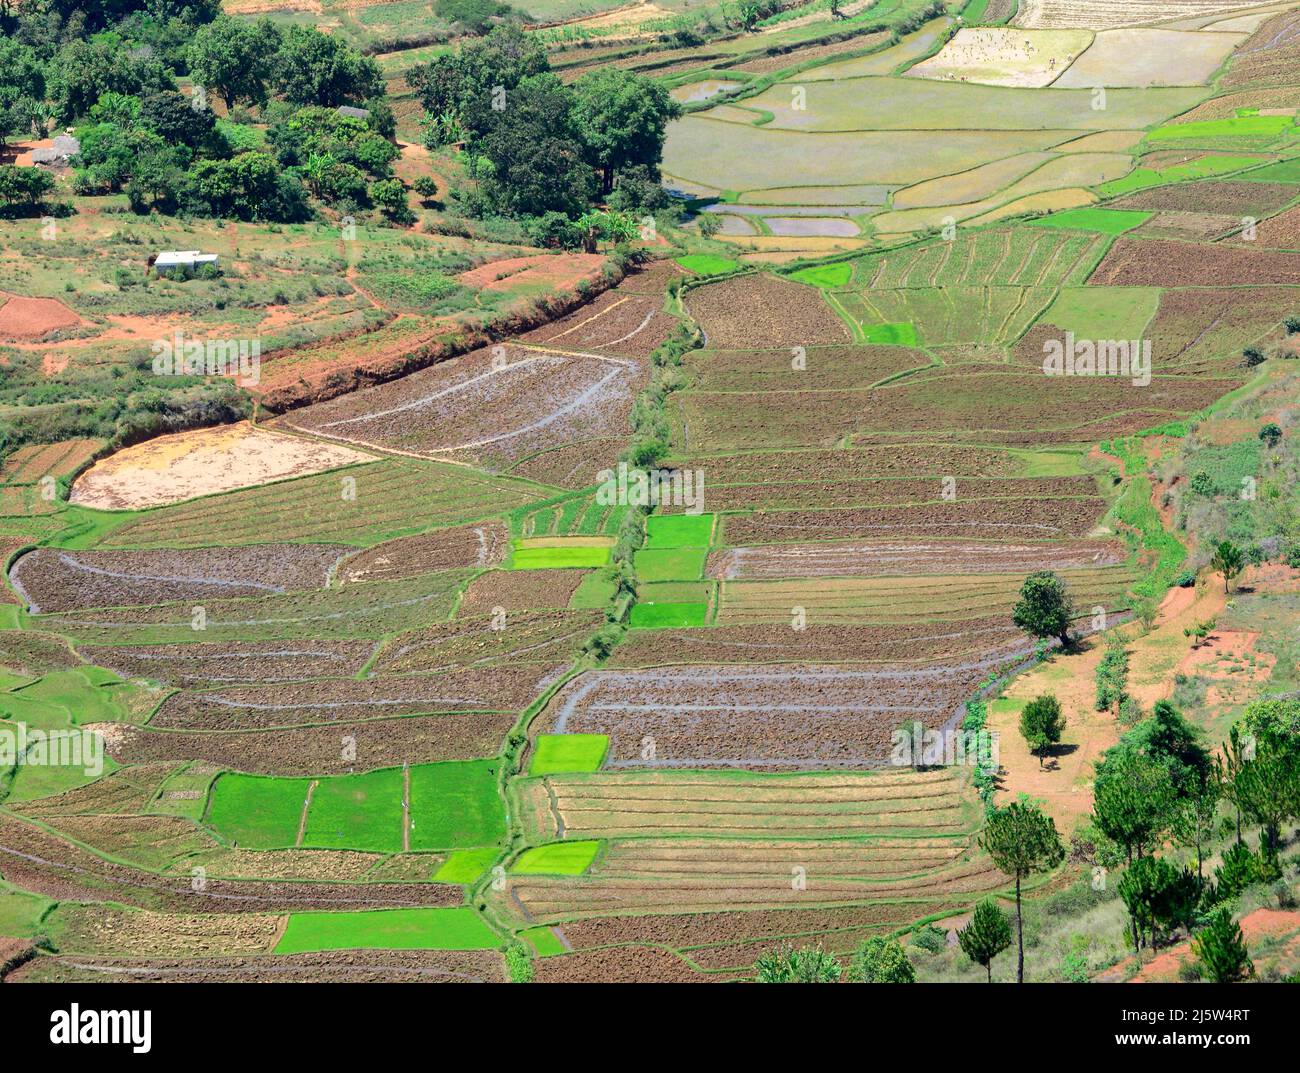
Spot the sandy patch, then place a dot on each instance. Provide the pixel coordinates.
(188, 464)
(1149, 58)
(996, 56)
(1064, 781)
(32, 319)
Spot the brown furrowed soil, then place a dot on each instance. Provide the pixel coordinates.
(520, 590)
(41, 861)
(941, 597)
(988, 404)
(29, 320)
(1224, 197)
(760, 717)
(483, 407)
(904, 644)
(626, 324)
(315, 750)
(1006, 519)
(824, 368)
(338, 966)
(622, 965)
(347, 700)
(736, 313)
(29, 464)
(1268, 57)
(893, 558)
(55, 580)
(482, 545)
(472, 639)
(1159, 263)
(891, 491)
(856, 464)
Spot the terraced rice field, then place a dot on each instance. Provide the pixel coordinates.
(403, 683)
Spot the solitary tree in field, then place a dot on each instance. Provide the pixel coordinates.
(1221, 952)
(1044, 608)
(1041, 724)
(1271, 434)
(790, 966)
(1022, 840)
(986, 936)
(1229, 560)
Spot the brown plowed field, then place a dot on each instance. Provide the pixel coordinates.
(41, 861)
(213, 663)
(759, 717)
(547, 899)
(825, 368)
(691, 931)
(338, 966)
(620, 323)
(27, 465)
(54, 580)
(29, 320)
(573, 465)
(901, 558)
(1006, 519)
(1158, 263)
(623, 965)
(986, 403)
(836, 491)
(856, 464)
(316, 750)
(738, 312)
(905, 644)
(537, 636)
(485, 544)
(348, 700)
(520, 590)
(483, 406)
(1235, 199)
(906, 599)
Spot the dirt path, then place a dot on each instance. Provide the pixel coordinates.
(306, 807)
(406, 808)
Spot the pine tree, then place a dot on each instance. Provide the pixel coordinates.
(986, 936)
(1221, 951)
(1022, 840)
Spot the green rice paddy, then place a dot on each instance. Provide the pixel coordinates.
(452, 804)
(679, 530)
(557, 858)
(458, 928)
(559, 753)
(465, 865)
(1105, 221)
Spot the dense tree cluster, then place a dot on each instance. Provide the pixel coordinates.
(1160, 786)
(110, 70)
(536, 146)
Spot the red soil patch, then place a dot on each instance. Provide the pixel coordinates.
(1261, 924)
(558, 271)
(53, 364)
(27, 319)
